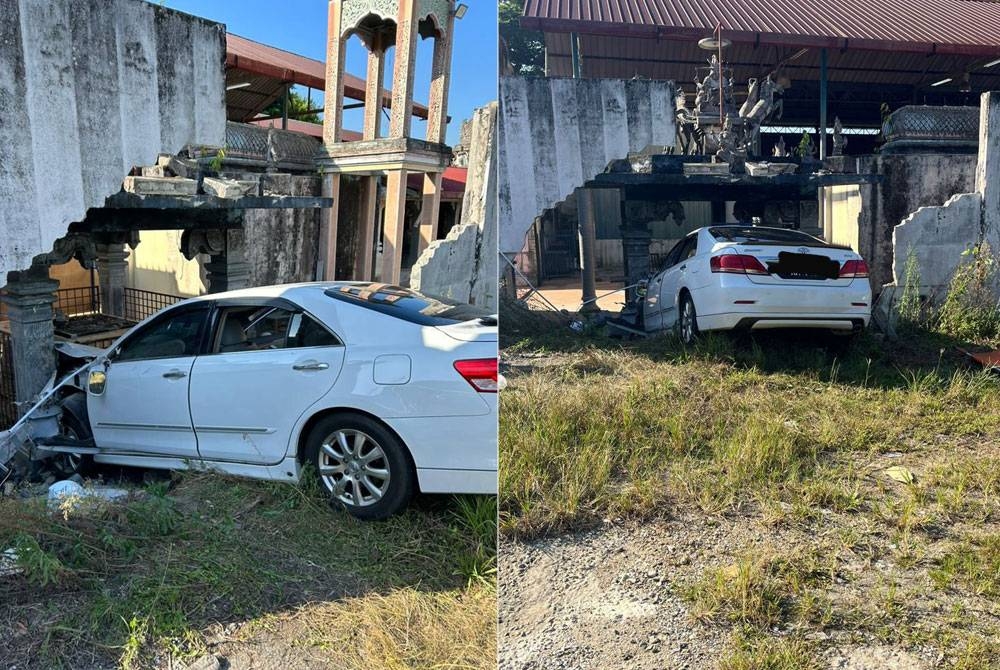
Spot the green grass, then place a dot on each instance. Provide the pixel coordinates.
(786, 432)
(149, 577)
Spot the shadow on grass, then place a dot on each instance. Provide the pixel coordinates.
(869, 359)
(202, 550)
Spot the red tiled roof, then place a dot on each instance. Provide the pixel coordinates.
(268, 61)
(969, 27)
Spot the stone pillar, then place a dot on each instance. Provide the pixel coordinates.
(228, 269)
(402, 76)
(328, 227)
(373, 89)
(395, 223)
(430, 211)
(333, 99)
(112, 268)
(367, 225)
(588, 256)
(988, 168)
(29, 299)
(437, 117)
(636, 237)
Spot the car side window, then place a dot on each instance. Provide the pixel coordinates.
(691, 248)
(169, 337)
(258, 328)
(673, 256)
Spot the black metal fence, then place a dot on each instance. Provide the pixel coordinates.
(8, 409)
(77, 301)
(141, 304)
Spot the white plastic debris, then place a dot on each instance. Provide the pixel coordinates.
(68, 495)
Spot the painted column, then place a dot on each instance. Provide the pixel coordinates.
(29, 299)
(402, 77)
(333, 97)
(395, 223)
(822, 104)
(228, 269)
(588, 257)
(430, 211)
(328, 227)
(437, 116)
(373, 89)
(112, 268)
(988, 167)
(367, 225)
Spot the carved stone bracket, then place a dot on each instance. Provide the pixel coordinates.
(75, 245)
(196, 241)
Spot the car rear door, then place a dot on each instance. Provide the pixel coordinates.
(671, 280)
(144, 407)
(267, 362)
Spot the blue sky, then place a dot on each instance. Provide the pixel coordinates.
(300, 26)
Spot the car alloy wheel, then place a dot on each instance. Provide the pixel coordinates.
(353, 467)
(689, 324)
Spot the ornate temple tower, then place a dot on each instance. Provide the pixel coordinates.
(395, 154)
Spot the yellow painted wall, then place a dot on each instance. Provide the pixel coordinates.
(71, 275)
(157, 264)
(840, 207)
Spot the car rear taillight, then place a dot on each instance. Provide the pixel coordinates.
(737, 264)
(851, 269)
(481, 373)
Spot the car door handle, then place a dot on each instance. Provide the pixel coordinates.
(175, 374)
(311, 365)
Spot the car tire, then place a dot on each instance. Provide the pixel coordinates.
(75, 424)
(361, 465)
(687, 320)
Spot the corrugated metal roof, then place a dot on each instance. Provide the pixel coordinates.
(970, 27)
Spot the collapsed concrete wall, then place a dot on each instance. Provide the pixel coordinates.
(937, 236)
(557, 133)
(463, 266)
(909, 182)
(89, 88)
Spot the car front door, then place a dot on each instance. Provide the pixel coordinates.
(671, 280)
(266, 365)
(143, 408)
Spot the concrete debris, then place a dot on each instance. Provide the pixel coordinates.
(180, 167)
(177, 186)
(228, 188)
(155, 171)
(8, 563)
(69, 496)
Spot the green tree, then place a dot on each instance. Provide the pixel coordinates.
(525, 48)
(298, 108)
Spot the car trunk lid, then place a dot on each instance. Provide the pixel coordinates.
(483, 329)
(798, 265)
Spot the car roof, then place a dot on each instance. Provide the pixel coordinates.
(277, 290)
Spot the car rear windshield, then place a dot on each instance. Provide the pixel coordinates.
(410, 305)
(745, 234)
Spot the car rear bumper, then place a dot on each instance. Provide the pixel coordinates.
(457, 481)
(741, 320)
(738, 303)
(453, 454)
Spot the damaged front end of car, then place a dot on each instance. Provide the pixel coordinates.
(38, 434)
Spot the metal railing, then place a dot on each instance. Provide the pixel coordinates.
(77, 301)
(140, 304)
(8, 408)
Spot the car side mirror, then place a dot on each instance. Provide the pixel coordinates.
(97, 382)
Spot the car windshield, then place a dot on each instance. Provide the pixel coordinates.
(743, 234)
(410, 305)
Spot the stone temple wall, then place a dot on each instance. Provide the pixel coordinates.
(557, 133)
(89, 88)
(463, 266)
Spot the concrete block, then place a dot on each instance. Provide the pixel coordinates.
(155, 171)
(228, 188)
(161, 186)
(178, 166)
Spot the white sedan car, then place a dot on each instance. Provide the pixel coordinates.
(380, 390)
(734, 276)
